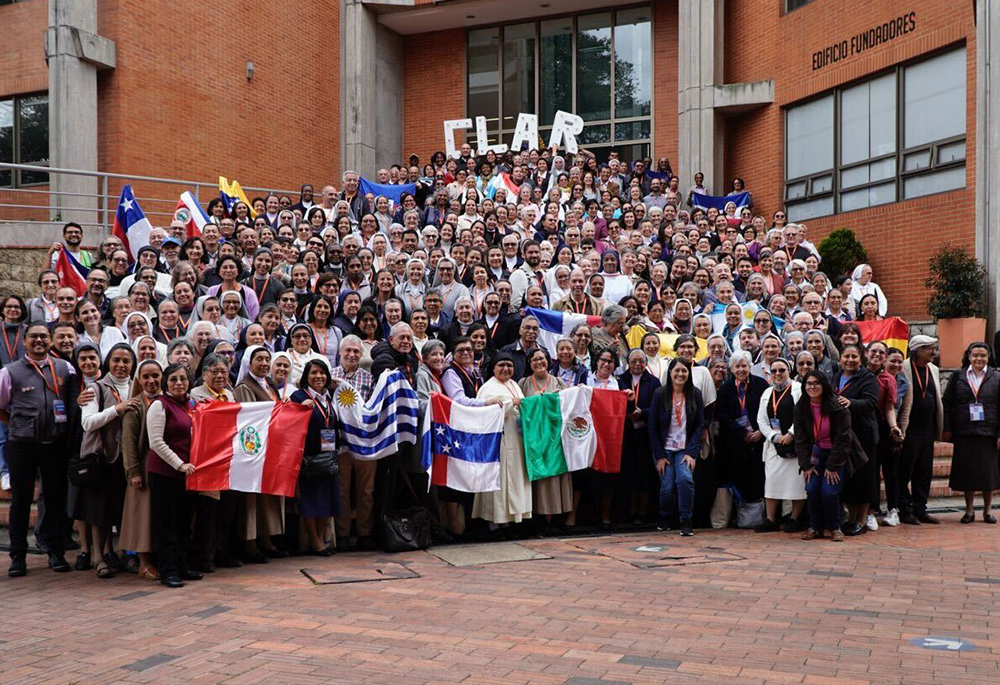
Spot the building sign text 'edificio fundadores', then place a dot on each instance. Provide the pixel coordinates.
(858, 43)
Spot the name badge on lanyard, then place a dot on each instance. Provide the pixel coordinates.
(775, 425)
(59, 411)
(327, 439)
(976, 412)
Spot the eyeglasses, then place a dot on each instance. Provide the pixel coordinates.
(813, 384)
(778, 370)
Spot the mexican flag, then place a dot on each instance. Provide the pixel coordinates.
(574, 429)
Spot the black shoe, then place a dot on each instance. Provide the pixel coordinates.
(113, 561)
(325, 552)
(171, 581)
(927, 518)
(793, 526)
(257, 557)
(989, 518)
(855, 529)
(663, 524)
(70, 545)
(276, 553)
(228, 561)
(768, 526)
(909, 519)
(83, 562)
(188, 574)
(440, 536)
(18, 567)
(968, 518)
(206, 566)
(58, 563)
(686, 529)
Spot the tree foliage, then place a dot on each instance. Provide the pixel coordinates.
(957, 283)
(841, 251)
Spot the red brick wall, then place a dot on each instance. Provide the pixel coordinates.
(433, 89)
(179, 104)
(665, 79)
(762, 43)
(22, 58)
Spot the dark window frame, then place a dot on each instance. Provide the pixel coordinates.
(16, 179)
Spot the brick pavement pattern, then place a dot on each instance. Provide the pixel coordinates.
(721, 607)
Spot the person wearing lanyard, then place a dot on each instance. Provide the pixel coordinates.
(638, 471)
(972, 423)
(858, 391)
(33, 397)
(921, 418)
(319, 315)
(12, 334)
(775, 419)
(319, 496)
(823, 446)
(889, 436)
(676, 424)
(739, 459)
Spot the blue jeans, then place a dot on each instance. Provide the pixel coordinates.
(676, 487)
(823, 497)
(3, 447)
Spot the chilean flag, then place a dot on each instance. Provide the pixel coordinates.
(191, 214)
(131, 225)
(72, 274)
(248, 446)
(461, 445)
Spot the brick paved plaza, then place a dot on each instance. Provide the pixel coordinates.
(721, 607)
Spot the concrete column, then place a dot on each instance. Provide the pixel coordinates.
(700, 62)
(371, 90)
(74, 53)
(988, 149)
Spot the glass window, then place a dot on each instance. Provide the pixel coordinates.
(936, 182)
(593, 65)
(934, 99)
(484, 75)
(633, 62)
(868, 120)
(6, 138)
(810, 138)
(811, 209)
(556, 72)
(518, 72)
(34, 136)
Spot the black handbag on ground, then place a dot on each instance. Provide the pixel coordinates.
(405, 530)
(322, 465)
(85, 469)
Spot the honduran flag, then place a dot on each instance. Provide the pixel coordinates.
(894, 332)
(375, 429)
(191, 214)
(460, 448)
(231, 193)
(248, 446)
(573, 429)
(502, 180)
(72, 274)
(555, 325)
(720, 201)
(131, 225)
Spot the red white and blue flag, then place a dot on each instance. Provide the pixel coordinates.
(72, 274)
(191, 214)
(461, 445)
(503, 180)
(131, 225)
(555, 325)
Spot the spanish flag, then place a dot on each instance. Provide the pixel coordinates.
(894, 332)
(636, 334)
(231, 193)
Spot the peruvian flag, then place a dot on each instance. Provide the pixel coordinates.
(191, 214)
(72, 274)
(248, 446)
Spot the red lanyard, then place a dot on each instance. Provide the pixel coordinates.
(165, 335)
(817, 426)
(324, 411)
(678, 411)
(117, 395)
(635, 390)
(922, 382)
(975, 383)
(260, 295)
(741, 396)
(578, 309)
(52, 369)
(472, 381)
(17, 341)
(437, 381)
(776, 400)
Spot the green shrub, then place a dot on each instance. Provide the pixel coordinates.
(957, 283)
(841, 251)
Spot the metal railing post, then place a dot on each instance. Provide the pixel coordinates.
(104, 194)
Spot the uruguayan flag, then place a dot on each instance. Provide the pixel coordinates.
(374, 430)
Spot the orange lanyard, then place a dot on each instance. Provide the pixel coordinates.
(507, 388)
(260, 295)
(323, 347)
(817, 426)
(324, 411)
(437, 381)
(542, 389)
(635, 390)
(741, 396)
(678, 411)
(975, 383)
(17, 341)
(52, 369)
(479, 301)
(472, 381)
(165, 335)
(116, 394)
(776, 400)
(578, 309)
(922, 382)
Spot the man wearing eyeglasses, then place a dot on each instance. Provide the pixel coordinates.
(524, 346)
(97, 285)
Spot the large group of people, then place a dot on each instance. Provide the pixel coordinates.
(768, 407)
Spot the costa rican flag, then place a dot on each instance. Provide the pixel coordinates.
(191, 214)
(131, 224)
(461, 445)
(72, 274)
(248, 446)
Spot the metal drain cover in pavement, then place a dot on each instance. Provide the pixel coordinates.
(359, 573)
(492, 553)
(657, 553)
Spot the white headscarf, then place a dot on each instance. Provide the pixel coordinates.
(245, 363)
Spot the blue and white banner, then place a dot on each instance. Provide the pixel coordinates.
(387, 190)
(719, 202)
(374, 429)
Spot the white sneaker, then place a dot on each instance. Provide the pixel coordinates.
(5, 481)
(870, 523)
(892, 518)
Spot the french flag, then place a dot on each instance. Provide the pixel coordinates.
(248, 446)
(131, 224)
(72, 274)
(191, 214)
(555, 325)
(461, 445)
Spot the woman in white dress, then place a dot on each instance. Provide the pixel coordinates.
(512, 502)
(782, 480)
